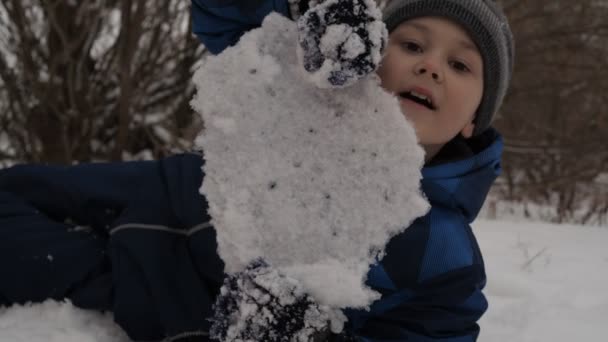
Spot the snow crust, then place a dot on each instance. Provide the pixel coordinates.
(53, 321)
(546, 282)
(314, 181)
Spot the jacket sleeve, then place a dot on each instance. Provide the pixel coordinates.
(103, 195)
(221, 23)
(431, 282)
(46, 243)
(155, 274)
(43, 258)
(91, 194)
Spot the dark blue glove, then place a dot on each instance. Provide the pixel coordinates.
(260, 304)
(341, 41)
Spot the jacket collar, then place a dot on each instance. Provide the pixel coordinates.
(461, 175)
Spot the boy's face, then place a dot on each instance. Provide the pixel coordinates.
(435, 58)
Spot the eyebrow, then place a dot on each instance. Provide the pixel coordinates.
(424, 29)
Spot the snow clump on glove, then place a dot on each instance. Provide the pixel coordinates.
(341, 41)
(261, 304)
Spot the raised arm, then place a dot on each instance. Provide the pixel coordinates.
(221, 23)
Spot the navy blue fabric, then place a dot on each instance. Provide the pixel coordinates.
(120, 237)
(221, 23)
(92, 233)
(432, 276)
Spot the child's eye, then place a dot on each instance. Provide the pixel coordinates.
(459, 66)
(411, 47)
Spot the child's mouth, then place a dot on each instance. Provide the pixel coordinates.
(417, 98)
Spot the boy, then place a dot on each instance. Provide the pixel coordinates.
(132, 238)
(449, 62)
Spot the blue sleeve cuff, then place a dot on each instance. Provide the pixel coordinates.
(221, 23)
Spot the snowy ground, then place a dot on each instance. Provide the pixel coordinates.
(546, 283)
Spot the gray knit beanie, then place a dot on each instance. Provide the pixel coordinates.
(489, 29)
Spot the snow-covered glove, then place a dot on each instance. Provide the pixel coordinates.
(261, 304)
(341, 41)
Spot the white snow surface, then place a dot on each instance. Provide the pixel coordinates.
(314, 181)
(57, 322)
(546, 282)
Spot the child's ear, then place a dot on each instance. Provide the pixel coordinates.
(467, 131)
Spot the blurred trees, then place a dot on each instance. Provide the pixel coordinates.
(555, 118)
(94, 80)
(108, 79)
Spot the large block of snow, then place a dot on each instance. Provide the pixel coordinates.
(315, 181)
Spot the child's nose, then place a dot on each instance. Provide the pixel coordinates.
(428, 68)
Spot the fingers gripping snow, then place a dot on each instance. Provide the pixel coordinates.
(341, 41)
(260, 304)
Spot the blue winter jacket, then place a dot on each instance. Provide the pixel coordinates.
(134, 238)
(432, 276)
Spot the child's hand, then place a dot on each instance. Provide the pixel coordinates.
(341, 41)
(260, 304)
